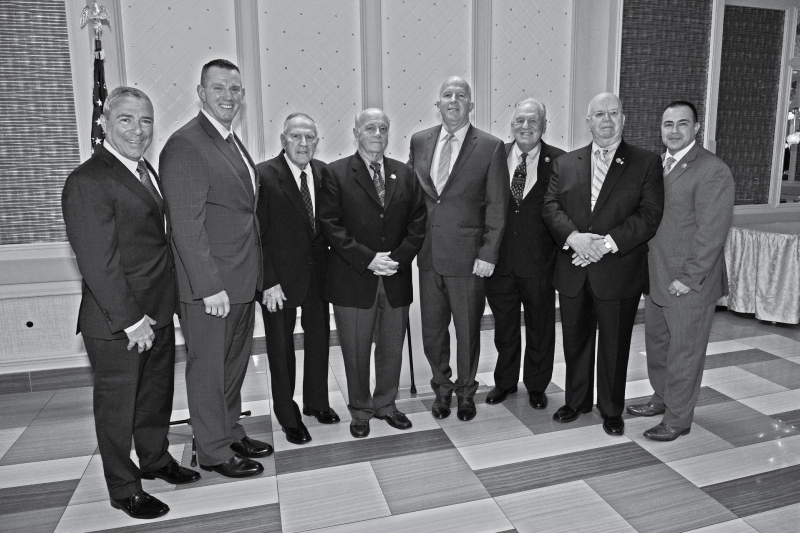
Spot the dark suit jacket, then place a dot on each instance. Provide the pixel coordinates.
(215, 232)
(118, 237)
(628, 209)
(292, 253)
(466, 221)
(688, 246)
(528, 249)
(357, 227)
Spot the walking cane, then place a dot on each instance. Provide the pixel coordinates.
(188, 422)
(410, 358)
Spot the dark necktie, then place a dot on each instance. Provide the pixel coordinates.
(307, 198)
(235, 147)
(377, 179)
(144, 177)
(518, 182)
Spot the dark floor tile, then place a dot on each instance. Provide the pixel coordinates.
(759, 493)
(740, 425)
(357, 451)
(53, 439)
(19, 410)
(790, 418)
(541, 420)
(68, 404)
(36, 497)
(781, 371)
(518, 477)
(412, 406)
(38, 521)
(261, 519)
(62, 378)
(742, 357)
(15, 383)
(709, 396)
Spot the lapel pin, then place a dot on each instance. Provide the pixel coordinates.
(393, 176)
(546, 159)
(683, 165)
(619, 160)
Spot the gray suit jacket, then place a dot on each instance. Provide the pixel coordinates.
(688, 246)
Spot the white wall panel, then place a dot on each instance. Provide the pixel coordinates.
(423, 43)
(531, 57)
(311, 62)
(166, 45)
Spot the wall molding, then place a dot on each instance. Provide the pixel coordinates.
(482, 63)
(371, 54)
(248, 57)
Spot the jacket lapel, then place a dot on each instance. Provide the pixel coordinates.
(230, 152)
(584, 172)
(615, 170)
(362, 177)
(466, 148)
(682, 166)
(289, 187)
(129, 180)
(425, 178)
(390, 179)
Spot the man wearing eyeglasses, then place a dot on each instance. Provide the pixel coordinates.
(603, 204)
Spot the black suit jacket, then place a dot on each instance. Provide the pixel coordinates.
(122, 249)
(293, 253)
(357, 227)
(528, 249)
(466, 221)
(629, 209)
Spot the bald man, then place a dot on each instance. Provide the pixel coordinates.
(603, 204)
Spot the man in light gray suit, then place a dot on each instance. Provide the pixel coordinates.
(687, 272)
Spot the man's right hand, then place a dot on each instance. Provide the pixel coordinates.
(587, 246)
(218, 304)
(142, 336)
(273, 298)
(382, 265)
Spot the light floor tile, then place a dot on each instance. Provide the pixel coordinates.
(779, 402)
(8, 437)
(731, 526)
(636, 389)
(726, 374)
(492, 423)
(739, 462)
(774, 344)
(341, 495)
(725, 347)
(256, 408)
(783, 520)
(482, 516)
(748, 387)
(566, 508)
(699, 441)
(98, 516)
(42, 472)
(493, 454)
(559, 375)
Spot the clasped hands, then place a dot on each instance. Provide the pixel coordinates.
(382, 265)
(587, 247)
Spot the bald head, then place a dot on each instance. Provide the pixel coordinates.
(528, 123)
(372, 133)
(605, 119)
(455, 103)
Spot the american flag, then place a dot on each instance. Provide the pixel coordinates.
(98, 94)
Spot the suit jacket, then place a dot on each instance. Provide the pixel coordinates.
(466, 220)
(292, 252)
(215, 233)
(118, 237)
(628, 208)
(357, 227)
(528, 249)
(688, 246)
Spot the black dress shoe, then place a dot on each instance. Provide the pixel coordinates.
(237, 466)
(466, 409)
(537, 400)
(298, 435)
(614, 426)
(141, 505)
(441, 407)
(359, 428)
(566, 413)
(498, 394)
(645, 409)
(396, 419)
(173, 473)
(665, 433)
(323, 417)
(251, 448)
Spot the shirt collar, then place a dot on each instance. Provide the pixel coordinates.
(295, 169)
(680, 154)
(459, 134)
(129, 163)
(367, 162)
(533, 154)
(223, 131)
(611, 149)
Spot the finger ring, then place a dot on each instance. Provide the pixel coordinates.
(586, 256)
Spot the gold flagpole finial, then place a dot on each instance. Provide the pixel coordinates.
(97, 14)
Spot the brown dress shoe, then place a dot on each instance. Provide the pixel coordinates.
(499, 394)
(141, 505)
(665, 433)
(645, 409)
(173, 473)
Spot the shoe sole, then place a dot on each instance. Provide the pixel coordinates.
(684, 432)
(440, 417)
(495, 402)
(612, 433)
(233, 476)
(151, 476)
(579, 413)
(115, 506)
(642, 415)
(386, 418)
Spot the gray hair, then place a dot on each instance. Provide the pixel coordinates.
(294, 116)
(122, 92)
(535, 102)
(361, 113)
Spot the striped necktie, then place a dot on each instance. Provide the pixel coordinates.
(668, 165)
(144, 178)
(377, 179)
(599, 176)
(443, 172)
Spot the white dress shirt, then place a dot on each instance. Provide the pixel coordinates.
(224, 132)
(309, 180)
(371, 172)
(455, 147)
(531, 163)
(677, 156)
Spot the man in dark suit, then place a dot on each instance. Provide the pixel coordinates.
(464, 175)
(295, 259)
(524, 272)
(114, 215)
(603, 204)
(211, 185)
(373, 216)
(687, 272)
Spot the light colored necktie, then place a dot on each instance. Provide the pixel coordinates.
(443, 172)
(599, 175)
(668, 166)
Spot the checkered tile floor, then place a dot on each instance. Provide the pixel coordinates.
(510, 469)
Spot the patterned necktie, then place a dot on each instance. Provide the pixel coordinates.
(599, 176)
(668, 166)
(144, 177)
(443, 172)
(518, 182)
(377, 179)
(307, 199)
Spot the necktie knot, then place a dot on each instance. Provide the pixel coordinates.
(377, 179)
(601, 154)
(141, 169)
(668, 165)
(230, 139)
(144, 178)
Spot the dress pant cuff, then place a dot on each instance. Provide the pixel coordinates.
(125, 491)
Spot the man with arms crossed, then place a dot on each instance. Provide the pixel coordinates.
(687, 272)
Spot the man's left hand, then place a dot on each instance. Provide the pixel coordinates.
(676, 288)
(482, 269)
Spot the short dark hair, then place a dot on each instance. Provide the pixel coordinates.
(683, 103)
(219, 63)
(119, 93)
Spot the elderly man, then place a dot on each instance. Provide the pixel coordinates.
(524, 272)
(464, 174)
(115, 217)
(373, 216)
(211, 185)
(603, 204)
(687, 272)
(295, 259)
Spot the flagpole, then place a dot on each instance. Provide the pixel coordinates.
(97, 14)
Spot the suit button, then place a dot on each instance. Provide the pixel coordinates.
(590, 228)
(438, 201)
(517, 211)
(383, 239)
(381, 215)
(515, 233)
(172, 269)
